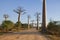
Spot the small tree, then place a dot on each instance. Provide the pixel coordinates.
(25, 26)
(16, 25)
(5, 16)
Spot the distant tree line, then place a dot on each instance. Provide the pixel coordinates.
(8, 25)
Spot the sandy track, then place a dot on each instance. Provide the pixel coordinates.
(29, 35)
(23, 37)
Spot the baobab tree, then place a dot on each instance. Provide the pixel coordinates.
(44, 16)
(19, 11)
(37, 17)
(28, 21)
(5, 16)
(32, 22)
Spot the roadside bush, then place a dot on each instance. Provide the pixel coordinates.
(54, 27)
(17, 25)
(7, 25)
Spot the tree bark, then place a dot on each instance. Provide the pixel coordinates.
(44, 16)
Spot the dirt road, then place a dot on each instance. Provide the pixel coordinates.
(31, 34)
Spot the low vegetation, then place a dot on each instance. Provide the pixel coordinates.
(7, 25)
(54, 28)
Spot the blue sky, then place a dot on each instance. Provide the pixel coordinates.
(31, 7)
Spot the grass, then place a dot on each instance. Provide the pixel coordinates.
(53, 37)
(1, 33)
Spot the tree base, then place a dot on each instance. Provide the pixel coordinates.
(43, 31)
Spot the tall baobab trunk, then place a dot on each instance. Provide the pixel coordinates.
(38, 21)
(28, 21)
(19, 11)
(19, 21)
(44, 16)
(19, 17)
(37, 18)
(32, 23)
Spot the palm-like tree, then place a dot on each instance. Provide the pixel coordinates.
(5, 16)
(19, 11)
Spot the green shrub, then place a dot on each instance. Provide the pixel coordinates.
(7, 25)
(53, 27)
